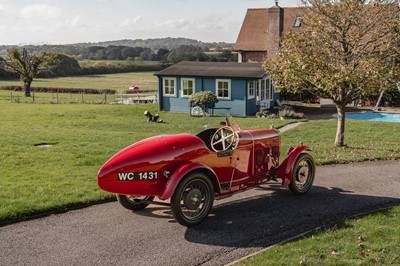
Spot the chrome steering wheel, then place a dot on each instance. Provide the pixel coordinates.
(224, 138)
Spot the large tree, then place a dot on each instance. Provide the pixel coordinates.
(346, 49)
(61, 65)
(25, 65)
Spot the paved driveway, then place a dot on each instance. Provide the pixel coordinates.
(107, 234)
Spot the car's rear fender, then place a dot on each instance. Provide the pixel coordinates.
(181, 172)
(285, 170)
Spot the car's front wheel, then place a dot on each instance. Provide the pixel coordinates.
(303, 174)
(134, 203)
(193, 199)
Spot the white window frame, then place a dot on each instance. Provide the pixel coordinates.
(251, 89)
(265, 90)
(183, 95)
(164, 87)
(217, 88)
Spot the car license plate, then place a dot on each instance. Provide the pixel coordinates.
(129, 176)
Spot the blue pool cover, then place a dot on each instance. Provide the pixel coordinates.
(374, 116)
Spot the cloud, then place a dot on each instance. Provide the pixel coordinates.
(130, 21)
(41, 12)
(174, 23)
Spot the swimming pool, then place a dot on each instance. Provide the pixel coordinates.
(374, 116)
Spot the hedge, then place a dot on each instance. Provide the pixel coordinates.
(61, 90)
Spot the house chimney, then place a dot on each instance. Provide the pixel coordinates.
(275, 29)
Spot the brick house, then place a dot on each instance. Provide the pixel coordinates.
(259, 36)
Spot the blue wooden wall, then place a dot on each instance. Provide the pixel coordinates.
(239, 103)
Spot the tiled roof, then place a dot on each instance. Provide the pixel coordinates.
(214, 69)
(253, 35)
(289, 17)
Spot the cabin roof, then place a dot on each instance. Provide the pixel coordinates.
(214, 69)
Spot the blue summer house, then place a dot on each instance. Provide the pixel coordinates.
(241, 88)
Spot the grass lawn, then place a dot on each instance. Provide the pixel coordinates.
(119, 82)
(36, 179)
(366, 140)
(371, 240)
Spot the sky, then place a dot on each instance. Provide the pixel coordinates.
(39, 22)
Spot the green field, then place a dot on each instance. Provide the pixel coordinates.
(370, 240)
(119, 82)
(86, 63)
(83, 137)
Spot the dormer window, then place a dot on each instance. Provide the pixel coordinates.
(297, 22)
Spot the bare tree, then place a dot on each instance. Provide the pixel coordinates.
(26, 65)
(347, 49)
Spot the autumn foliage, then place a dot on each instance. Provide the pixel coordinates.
(346, 49)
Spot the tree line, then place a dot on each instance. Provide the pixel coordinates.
(63, 60)
(148, 49)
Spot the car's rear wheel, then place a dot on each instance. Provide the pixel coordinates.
(303, 174)
(134, 203)
(193, 199)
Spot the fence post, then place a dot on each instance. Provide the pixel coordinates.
(82, 96)
(33, 97)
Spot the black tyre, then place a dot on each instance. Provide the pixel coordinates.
(303, 174)
(134, 203)
(193, 199)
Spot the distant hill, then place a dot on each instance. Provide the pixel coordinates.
(154, 44)
(158, 43)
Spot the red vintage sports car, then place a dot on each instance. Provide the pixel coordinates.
(193, 170)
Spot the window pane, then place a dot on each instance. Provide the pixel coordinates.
(169, 86)
(223, 89)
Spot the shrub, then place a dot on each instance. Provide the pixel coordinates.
(203, 98)
(61, 90)
(289, 113)
(266, 114)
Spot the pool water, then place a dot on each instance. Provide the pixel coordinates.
(374, 116)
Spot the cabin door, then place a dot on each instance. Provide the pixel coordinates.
(264, 93)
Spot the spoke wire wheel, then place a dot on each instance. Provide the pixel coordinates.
(303, 174)
(197, 111)
(133, 203)
(192, 200)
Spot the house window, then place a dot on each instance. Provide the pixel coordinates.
(188, 87)
(223, 89)
(251, 89)
(169, 87)
(297, 22)
(271, 90)
(263, 90)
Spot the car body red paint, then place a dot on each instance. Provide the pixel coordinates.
(226, 159)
